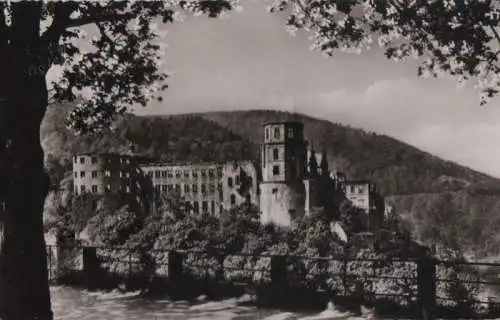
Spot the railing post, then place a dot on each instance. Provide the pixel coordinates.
(90, 265)
(48, 249)
(344, 274)
(278, 273)
(175, 268)
(129, 263)
(426, 281)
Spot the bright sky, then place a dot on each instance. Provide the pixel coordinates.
(249, 61)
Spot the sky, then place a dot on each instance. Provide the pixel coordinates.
(250, 61)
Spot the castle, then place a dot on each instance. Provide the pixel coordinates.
(290, 182)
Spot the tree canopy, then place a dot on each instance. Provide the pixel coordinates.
(458, 38)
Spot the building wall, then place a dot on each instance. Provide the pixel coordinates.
(103, 173)
(198, 184)
(282, 190)
(360, 194)
(281, 203)
(208, 188)
(232, 180)
(110, 173)
(312, 198)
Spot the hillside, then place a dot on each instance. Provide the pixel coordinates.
(428, 191)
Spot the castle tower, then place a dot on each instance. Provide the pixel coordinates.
(283, 169)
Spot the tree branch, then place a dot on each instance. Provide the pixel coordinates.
(103, 33)
(62, 12)
(495, 33)
(97, 19)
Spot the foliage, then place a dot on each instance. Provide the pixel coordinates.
(113, 228)
(353, 219)
(456, 37)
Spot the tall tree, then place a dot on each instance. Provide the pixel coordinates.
(120, 68)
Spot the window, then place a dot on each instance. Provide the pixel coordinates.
(204, 206)
(186, 174)
(195, 174)
(107, 188)
(290, 133)
(178, 174)
(237, 180)
(213, 207)
(164, 188)
(275, 190)
(267, 133)
(94, 160)
(276, 170)
(276, 133)
(164, 174)
(94, 174)
(276, 154)
(82, 188)
(94, 189)
(352, 189)
(170, 174)
(127, 189)
(82, 160)
(203, 189)
(150, 174)
(219, 172)
(211, 188)
(361, 190)
(203, 173)
(76, 174)
(233, 200)
(82, 174)
(211, 173)
(196, 206)
(230, 182)
(158, 187)
(157, 174)
(186, 188)
(107, 173)
(195, 188)
(170, 187)
(177, 188)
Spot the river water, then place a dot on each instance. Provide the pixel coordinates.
(74, 304)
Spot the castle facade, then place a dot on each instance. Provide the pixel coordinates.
(291, 181)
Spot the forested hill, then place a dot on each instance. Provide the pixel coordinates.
(438, 196)
(397, 167)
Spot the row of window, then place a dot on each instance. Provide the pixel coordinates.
(236, 181)
(211, 173)
(95, 189)
(352, 189)
(277, 133)
(204, 205)
(93, 160)
(187, 188)
(107, 173)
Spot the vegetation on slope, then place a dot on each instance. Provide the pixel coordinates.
(418, 183)
(397, 167)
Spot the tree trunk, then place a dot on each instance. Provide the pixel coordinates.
(24, 290)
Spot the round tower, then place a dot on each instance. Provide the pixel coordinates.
(282, 192)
